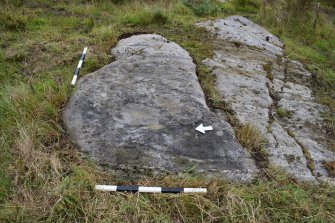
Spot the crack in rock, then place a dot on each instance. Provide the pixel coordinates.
(257, 95)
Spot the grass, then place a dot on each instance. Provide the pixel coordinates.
(310, 38)
(13, 21)
(203, 7)
(251, 139)
(282, 113)
(43, 178)
(147, 17)
(268, 69)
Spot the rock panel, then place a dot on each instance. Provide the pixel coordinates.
(240, 30)
(271, 92)
(139, 114)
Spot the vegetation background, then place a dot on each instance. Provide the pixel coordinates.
(43, 178)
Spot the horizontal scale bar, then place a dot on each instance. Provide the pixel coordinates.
(114, 188)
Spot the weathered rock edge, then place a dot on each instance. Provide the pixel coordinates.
(260, 83)
(139, 113)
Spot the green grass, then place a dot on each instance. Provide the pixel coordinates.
(203, 7)
(147, 17)
(268, 69)
(43, 178)
(13, 21)
(282, 113)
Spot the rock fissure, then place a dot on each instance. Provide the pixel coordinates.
(309, 159)
(274, 136)
(272, 110)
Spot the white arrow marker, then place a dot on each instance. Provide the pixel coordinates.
(203, 129)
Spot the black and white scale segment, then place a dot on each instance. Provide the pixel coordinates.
(140, 189)
(80, 63)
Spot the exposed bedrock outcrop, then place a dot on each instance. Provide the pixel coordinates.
(139, 113)
(271, 92)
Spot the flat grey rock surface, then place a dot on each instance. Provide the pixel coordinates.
(240, 30)
(273, 93)
(139, 114)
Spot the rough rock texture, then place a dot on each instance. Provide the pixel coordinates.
(271, 92)
(140, 112)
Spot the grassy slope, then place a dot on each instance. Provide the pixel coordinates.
(43, 177)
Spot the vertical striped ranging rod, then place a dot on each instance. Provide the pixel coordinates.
(149, 189)
(76, 72)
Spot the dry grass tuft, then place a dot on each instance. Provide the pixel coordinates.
(251, 139)
(330, 167)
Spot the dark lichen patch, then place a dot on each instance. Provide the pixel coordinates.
(237, 44)
(290, 158)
